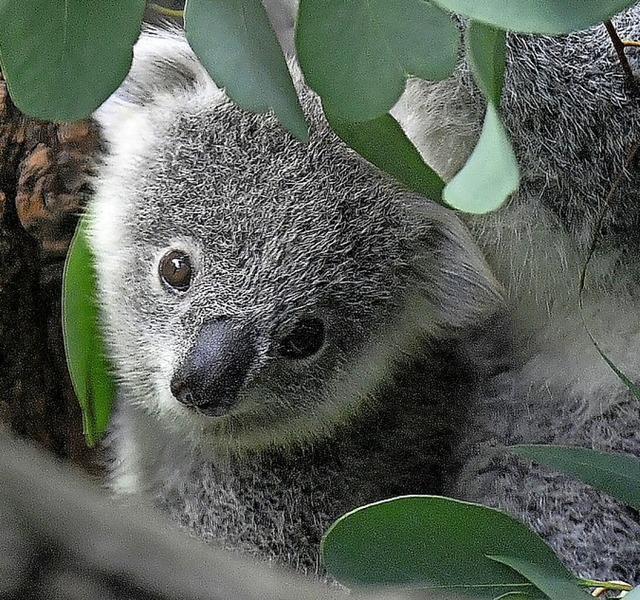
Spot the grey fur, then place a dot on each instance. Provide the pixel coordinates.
(428, 369)
(573, 123)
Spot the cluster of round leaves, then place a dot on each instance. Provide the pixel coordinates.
(466, 549)
(62, 60)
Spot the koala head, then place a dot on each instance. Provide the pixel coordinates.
(256, 290)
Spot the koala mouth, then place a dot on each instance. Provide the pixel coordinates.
(211, 410)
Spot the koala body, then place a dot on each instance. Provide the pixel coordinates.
(574, 126)
(294, 334)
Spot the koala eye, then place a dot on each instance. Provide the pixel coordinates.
(175, 270)
(305, 340)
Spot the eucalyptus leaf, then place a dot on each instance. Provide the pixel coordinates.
(89, 368)
(61, 60)
(486, 52)
(383, 143)
(357, 54)
(538, 16)
(436, 543)
(235, 43)
(614, 474)
(556, 588)
(491, 173)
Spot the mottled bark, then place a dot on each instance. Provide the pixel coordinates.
(43, 170)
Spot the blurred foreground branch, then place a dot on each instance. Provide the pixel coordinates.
(63, 538)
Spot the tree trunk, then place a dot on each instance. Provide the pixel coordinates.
(43, 169)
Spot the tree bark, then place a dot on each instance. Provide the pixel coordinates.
(43, 184)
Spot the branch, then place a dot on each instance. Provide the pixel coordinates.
(619, 47)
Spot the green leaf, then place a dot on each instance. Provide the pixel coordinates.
(538, 16)
(556, 588)
(614, 474)
(85, 351)
(486, 52)
(491, 173)
(634, 594)
(357, 54)
(235, 43)
(62, 60)
(435, 543)
(383, 143)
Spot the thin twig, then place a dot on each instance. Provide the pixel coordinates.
(619, 47)
(631, 158)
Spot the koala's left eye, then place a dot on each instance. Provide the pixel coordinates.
(305, 340)
(175, 270)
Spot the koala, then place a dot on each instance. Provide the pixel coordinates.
(294, 334)
(267, 305)
(574, 124)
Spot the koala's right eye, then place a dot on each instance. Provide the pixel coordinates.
(175, 270)
(305, 340)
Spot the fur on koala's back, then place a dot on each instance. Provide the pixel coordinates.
(276, 231)
(574, 123)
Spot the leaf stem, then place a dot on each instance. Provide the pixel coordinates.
(619, 47)
(607, 585)
(167, 12)
(631, 158)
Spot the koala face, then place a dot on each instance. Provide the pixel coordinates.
(257, 290)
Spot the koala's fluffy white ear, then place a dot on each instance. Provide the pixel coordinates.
(164, 74)
(454, 274)
(443, 120)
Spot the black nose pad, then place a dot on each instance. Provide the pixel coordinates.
(216, 367)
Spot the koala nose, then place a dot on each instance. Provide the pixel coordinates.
(215, 368)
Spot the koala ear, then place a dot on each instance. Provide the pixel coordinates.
(443, 120)
(453, 273)
(164, 74)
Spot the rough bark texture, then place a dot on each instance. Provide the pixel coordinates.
(42, 186)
